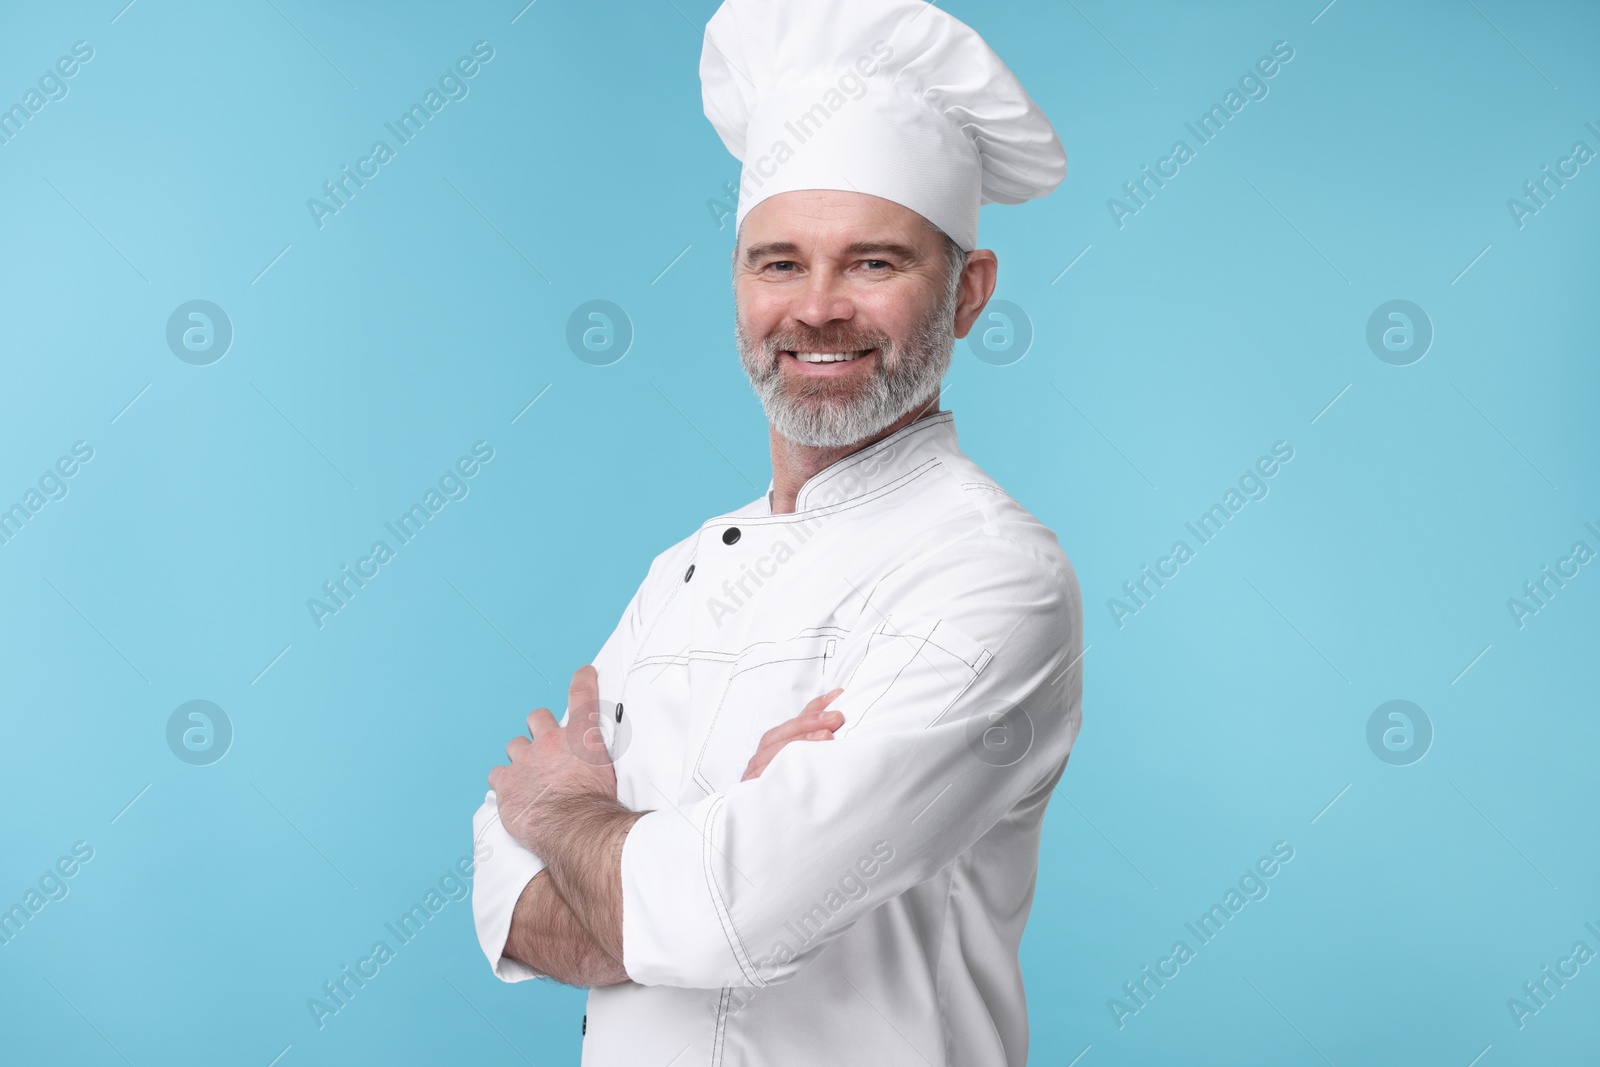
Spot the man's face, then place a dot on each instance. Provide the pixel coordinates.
(844, 313)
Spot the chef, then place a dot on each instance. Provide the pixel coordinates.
(792, 815)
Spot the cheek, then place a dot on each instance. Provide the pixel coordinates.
(892, 313)
(759, 313)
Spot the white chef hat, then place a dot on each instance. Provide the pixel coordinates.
(890, 97)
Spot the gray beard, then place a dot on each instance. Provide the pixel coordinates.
(818, 413)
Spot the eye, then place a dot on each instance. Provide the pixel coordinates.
(782, 266)
(876, 265)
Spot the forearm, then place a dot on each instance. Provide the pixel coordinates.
(582, 850)
(547, 936)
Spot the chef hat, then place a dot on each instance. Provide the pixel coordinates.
(890, 97)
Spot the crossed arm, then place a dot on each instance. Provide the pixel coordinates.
(547, 936)
(558, 799)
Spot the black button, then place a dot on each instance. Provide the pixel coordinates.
(586, 1026)
(689, 573)
(730, 535)
(619, 712)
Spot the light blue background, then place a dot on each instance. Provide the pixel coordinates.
(426, 315)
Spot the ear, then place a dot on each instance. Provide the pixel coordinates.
(977, 286)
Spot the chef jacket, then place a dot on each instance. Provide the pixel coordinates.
(862, 901)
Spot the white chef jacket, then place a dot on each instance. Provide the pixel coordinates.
(861, 902)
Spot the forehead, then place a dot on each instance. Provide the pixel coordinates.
(829, 220)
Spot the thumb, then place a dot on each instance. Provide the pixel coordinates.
(584, 736)
(583, 698)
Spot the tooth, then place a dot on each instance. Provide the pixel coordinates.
(826, 357)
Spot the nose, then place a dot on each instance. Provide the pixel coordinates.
(825, 299)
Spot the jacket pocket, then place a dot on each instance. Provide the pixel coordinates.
(768, 683)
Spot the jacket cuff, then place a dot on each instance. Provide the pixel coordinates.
(676, 929)
(501, 874)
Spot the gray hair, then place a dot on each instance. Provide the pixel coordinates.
(955, 261)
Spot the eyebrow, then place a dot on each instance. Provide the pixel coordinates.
(857, 248)
(771, 248)
(884, 248)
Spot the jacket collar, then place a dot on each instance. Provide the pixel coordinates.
(877, 465)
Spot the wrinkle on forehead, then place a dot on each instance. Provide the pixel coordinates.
(815, 211)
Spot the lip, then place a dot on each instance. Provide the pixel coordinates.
(827, 370)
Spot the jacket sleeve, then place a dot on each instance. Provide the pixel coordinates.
(502, 870)
(503, 865)
(963, 698)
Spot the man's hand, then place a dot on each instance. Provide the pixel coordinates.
(557, 769)
(812, 724)
(558, 798)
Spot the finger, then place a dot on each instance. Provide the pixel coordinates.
(583, 698)
(816, 733)
(516, 746)
(796, 729)
(757, 764)
(764, 755)
(787, 729)
(540, 721)
(805, 721)
(814, 709)
(818, 703)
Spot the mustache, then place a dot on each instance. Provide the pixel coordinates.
(824, 341)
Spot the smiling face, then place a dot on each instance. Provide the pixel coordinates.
(847, 309)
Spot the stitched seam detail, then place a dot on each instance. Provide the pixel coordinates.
(981, 657)
(724, 916)
(919, 427)
(684, 658)
(711, 726)
(897, 674)
(944, 928)
(721, 1028)
(832, 509)
(649, 661)
(649, 628)
(983, 653)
